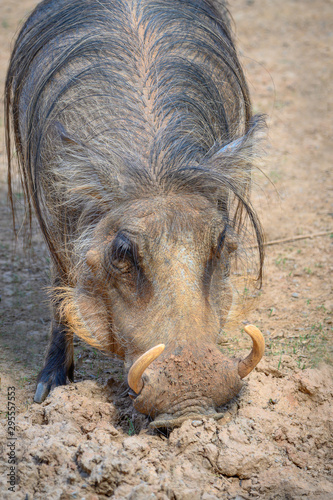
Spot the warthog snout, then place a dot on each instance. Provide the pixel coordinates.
(192, 381)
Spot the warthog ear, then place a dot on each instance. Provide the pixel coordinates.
(231, 148)
(244, 149)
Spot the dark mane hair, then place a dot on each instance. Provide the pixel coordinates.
(110, 101)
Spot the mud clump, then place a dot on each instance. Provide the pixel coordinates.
(273, 442)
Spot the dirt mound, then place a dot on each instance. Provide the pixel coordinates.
(273, 442)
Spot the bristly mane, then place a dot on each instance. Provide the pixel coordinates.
(113, 100)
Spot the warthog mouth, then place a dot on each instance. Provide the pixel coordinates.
(193, 408)
(169, 421)
(189, 385)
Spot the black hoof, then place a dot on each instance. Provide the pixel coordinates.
(49, 379)
(42, 392)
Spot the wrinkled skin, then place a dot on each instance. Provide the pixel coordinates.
(161, 276)
(192, 381)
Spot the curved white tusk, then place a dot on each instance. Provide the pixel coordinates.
(246, 365)
(134, 375)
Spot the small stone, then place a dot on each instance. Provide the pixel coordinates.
(187, 494)
(196, 423)
(295, 295)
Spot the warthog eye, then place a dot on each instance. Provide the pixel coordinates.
(122, 254)
(221, 242)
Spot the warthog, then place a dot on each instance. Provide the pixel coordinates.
(135, 138)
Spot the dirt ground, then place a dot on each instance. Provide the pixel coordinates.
(275, 440)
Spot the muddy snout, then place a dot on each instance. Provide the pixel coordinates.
(189, 381)
(186, 382)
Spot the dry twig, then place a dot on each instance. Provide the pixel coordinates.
(295, 238)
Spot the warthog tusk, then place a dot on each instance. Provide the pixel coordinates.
(246, 365)
(134, 375)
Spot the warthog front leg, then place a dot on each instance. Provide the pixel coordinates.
(59, 363)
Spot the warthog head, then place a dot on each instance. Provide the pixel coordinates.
(156, 284)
